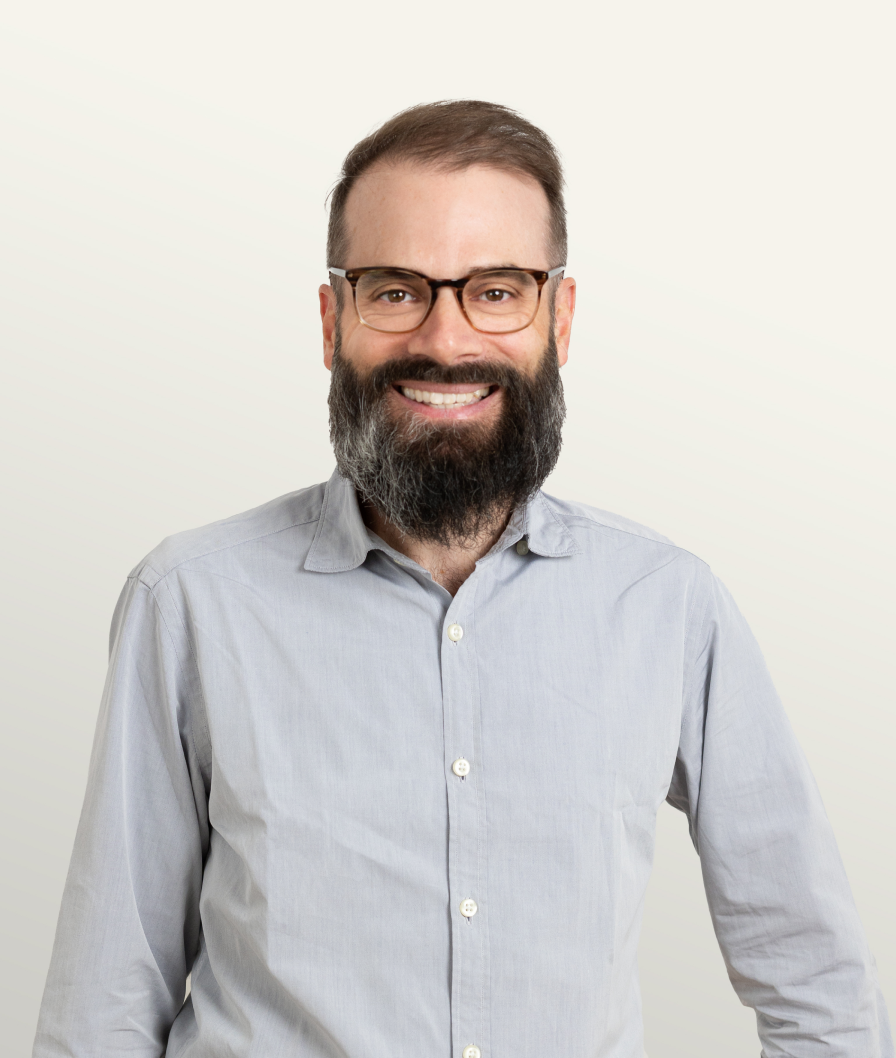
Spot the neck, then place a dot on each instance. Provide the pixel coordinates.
(449, 565)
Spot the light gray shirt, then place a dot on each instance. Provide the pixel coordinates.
(376, 821)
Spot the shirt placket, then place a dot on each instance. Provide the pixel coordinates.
(467, 838)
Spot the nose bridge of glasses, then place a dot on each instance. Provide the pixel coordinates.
(455, 286)
(451, 287)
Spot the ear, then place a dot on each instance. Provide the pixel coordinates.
(564, 310)
(328, 321)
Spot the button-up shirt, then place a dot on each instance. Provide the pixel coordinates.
(376, 820)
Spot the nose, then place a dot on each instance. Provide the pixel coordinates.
(446, 335)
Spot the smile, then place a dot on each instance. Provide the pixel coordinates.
(442, 399)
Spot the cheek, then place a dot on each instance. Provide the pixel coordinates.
(365, 348)
(525, 349)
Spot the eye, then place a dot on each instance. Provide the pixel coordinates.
(495, 295)
(494, 290)
(396, 297)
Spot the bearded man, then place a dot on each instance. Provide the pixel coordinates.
(379, 762)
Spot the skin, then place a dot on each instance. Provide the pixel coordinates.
(446, 225)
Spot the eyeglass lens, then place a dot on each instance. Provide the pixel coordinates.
(495, 302)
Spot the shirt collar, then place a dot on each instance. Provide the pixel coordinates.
(342, 541)
(545, 531)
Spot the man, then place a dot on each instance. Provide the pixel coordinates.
(379, 762)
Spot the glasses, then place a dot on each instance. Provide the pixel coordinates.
(499, 301)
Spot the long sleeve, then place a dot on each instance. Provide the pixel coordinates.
(777, 891)
(129, 922)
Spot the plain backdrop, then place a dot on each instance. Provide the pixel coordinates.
(163, 175)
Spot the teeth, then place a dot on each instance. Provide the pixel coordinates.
(423, 396)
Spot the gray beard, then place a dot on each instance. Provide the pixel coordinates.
(446, 483)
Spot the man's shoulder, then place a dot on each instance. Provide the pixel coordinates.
(608, 541)
(292, 511)
(574, 513)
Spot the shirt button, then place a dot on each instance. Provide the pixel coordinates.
(472, 1051)
(522, 547)
(461, 767)
(455, 632)
(468, 908)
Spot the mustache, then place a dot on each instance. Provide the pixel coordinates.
(424, 369)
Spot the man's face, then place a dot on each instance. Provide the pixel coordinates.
(446, 428)
(446, 225)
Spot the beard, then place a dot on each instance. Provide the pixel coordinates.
(446, 483)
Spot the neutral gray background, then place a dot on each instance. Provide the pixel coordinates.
(163, 169)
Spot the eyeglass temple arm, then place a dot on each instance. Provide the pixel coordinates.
(556, 271)
(337, 271)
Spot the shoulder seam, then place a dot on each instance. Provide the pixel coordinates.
(694, 628)
(138, 574)
(205, 759)
(594, 523)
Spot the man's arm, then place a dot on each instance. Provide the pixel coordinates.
(129, 923)
(780, 902)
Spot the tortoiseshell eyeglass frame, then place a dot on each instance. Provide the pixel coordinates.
(352, 275)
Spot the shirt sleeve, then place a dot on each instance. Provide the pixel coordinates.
(129, 923)
(778, 894)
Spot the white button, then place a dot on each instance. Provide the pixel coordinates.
(472, 1051)
(468, 908)
(522, 547)
(455, 632)
(461, 767)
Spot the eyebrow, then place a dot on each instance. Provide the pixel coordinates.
(494, 267)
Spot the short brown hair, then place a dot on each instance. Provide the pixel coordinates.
(454, 134)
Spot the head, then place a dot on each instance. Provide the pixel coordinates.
(446, 427)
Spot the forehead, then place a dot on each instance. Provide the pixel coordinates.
(445, 223)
